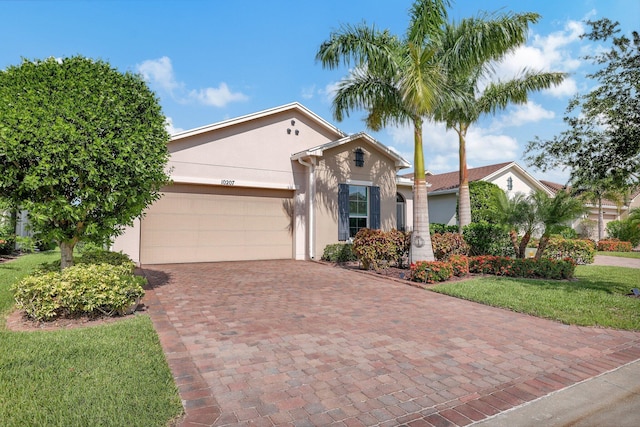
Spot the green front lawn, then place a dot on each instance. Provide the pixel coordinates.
(596, 298)
(109, 375)
(620, 254)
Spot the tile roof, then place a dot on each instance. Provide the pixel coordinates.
(555, 187)
(451, 180)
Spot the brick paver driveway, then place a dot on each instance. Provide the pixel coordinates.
(301, 343)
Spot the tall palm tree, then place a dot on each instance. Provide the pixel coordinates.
(497, 95)
(595, 191)
(403, 81)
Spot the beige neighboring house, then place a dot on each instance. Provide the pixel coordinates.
(611, 210)
(277, 184)
(443, 188)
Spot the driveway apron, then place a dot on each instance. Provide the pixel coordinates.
(306, 344)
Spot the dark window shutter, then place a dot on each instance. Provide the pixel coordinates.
(343, 212)
(374, 193)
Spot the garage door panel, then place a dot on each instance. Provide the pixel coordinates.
(203, 224)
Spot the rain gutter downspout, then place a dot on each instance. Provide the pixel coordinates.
(311, 195)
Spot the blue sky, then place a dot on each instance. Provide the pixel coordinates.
(213, 60)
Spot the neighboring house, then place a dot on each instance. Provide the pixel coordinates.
(612, 211)
(443, 188)
(277, 184)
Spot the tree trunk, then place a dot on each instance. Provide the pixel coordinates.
(464, 198)
(522, 250)
(513, 234)
(544, 240)
(600, 220)
(421, 249)
(66, 253)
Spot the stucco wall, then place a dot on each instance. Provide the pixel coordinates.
(337, 166)
(442, 208)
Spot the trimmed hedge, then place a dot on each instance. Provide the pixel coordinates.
(93, 256)
(447, 244)
(83, 289)
(460, 265)
(614, 246)
(431, 271)
(435, 228)
(543, 268)
(582, 251)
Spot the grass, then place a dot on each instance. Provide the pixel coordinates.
(596, 298)
(109, 375)
(620, 254)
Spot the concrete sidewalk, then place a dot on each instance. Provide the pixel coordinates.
(610, 399)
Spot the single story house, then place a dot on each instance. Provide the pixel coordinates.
(443, 188)
(277, 184)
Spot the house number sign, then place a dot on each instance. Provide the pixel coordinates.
(227, 182)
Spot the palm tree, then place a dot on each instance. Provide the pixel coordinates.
(553, 212)
(403, 81)
(520, 215)
(597, 190)
(497, 95)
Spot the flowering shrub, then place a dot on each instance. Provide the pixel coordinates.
(543, 268)
(614, 245)
(84, 289)
(460, 265)
(376, 248)
(582, 251)
(431, 271)
(447, 244)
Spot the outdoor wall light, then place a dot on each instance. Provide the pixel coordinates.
(297, 132)
(288, 131)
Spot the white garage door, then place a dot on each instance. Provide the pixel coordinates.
(193, 223)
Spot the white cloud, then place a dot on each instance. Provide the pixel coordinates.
(329, 91)
(521, 114)
(160, 72)
(168, 124)
(308, 92)
(218, 97)
(567, 88)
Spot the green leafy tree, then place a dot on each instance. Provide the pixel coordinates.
(602, 139)
(508, 31)
(596, 191)
(481, 194)
(82, 148)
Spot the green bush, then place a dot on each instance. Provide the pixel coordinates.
(442, 228)
(93, 256)
(447, 244)
(531, 268)
(566, 232)
(484, 238)
(339, 252)
(376, 248)
(431, 271)
(7, 238)
(26, 244)
(460, 265)
(614, 245)
(84, 289)
(580, 250)
(626, 230)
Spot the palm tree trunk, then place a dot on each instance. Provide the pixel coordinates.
(421, 249)
(522, 249)
(464, 198)
(544, 240)
(600, 220)
(513, 234)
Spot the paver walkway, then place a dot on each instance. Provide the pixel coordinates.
(305, 344)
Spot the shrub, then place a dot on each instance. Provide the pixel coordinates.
(484, 238)
(460, 265)
(580, 250)
(26, 244)
(626, 230)
(376, 248)
(431, 271)
(339, 252)
(6, 245)
(543, 268)
(447, 244)
(566, 232)
(614, 245)
(84, 289)
(442, 228)
(94, 256)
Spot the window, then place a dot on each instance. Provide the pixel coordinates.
(509, 184)
(358, 207)
(400, 210)
(359, 157)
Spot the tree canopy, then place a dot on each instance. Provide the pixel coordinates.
(82, 147)
(602, 140)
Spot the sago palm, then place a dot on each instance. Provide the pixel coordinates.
(481, 95)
